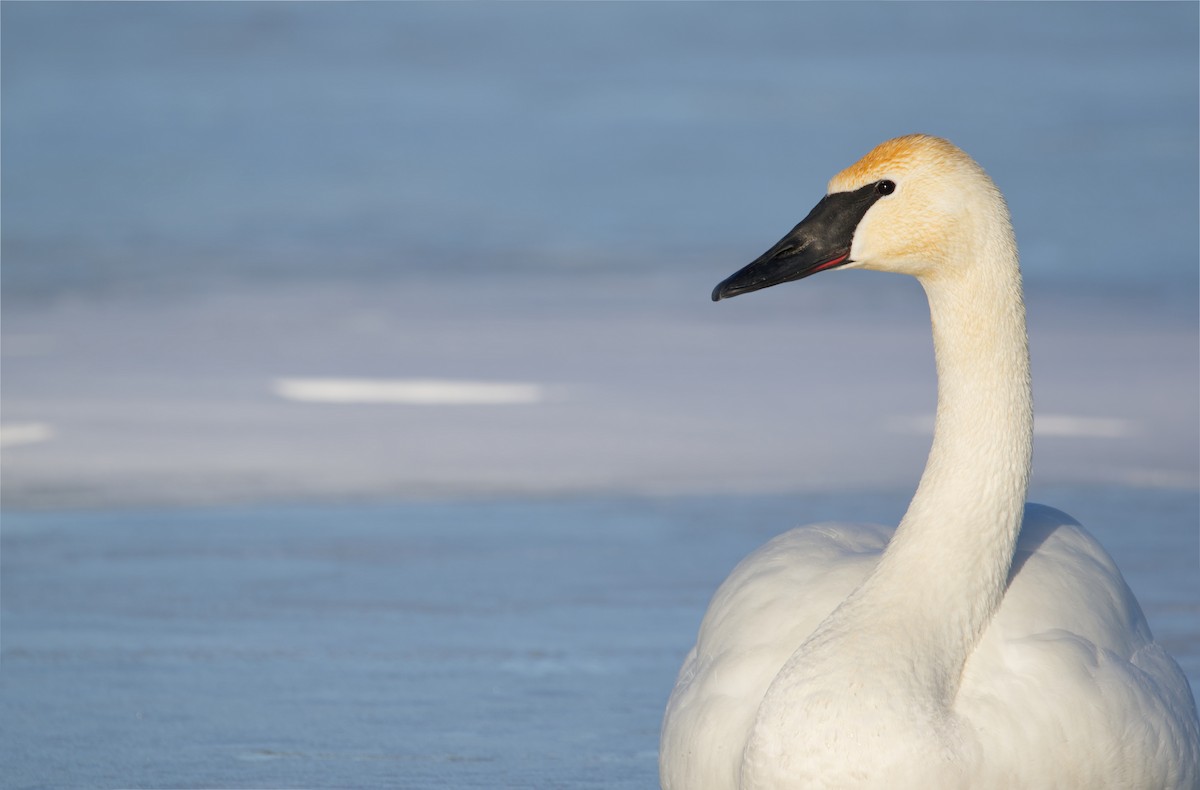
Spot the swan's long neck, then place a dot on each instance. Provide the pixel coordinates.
(946, 569)
(917, 618)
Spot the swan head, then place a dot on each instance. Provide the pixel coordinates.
(912, 205)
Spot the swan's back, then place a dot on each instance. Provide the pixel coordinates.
(1066, 685)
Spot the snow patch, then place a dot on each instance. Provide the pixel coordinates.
(422, 392)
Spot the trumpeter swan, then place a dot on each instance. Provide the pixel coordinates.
(984, 643)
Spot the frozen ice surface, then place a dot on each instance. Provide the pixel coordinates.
(528, 640)
(458, 644)
(641, 384)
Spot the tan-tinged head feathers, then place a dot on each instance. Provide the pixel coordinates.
(941, 205)
(897, 157)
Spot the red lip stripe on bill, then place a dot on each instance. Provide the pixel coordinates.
(830, 264)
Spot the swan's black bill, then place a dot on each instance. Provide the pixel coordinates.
(821, 241)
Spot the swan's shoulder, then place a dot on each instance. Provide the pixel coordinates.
(1068, 678)
(758, 617)
(1062, 578)
(795, 578)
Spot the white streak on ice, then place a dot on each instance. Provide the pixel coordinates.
(1083, 427)
(1054, 425)
(19, 433)
(422, 392)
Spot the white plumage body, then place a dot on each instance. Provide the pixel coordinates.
(1068, 628)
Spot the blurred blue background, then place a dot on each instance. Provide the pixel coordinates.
(210, 579)
(170, 145)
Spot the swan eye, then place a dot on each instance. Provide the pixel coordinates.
(885, 187)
